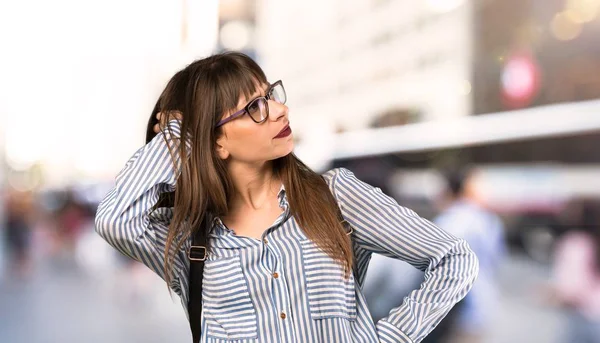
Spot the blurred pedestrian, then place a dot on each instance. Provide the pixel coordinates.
(17, 231)
(465, 216)
(576, 272)
(71, 219)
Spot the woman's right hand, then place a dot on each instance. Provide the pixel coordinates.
(164, 118)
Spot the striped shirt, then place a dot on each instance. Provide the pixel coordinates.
(283, 288)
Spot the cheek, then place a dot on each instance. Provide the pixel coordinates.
(244, 136)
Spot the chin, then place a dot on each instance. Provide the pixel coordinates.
(290, 146)
(284, 150)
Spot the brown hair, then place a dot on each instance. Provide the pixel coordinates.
(203, 92)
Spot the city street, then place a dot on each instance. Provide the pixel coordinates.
(60, 303)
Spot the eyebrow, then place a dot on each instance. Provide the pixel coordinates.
(254, 95)
(225, 120)
(265, 90)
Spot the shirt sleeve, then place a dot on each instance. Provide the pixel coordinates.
(384, 227)
(124, 218)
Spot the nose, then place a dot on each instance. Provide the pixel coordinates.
(277, 111)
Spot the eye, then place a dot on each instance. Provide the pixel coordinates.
(254, 107)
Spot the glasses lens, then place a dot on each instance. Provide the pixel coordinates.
(258, 110)
(278, 94)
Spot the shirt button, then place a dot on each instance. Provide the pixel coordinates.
(283, 316)
(275, 275)
(265, 241)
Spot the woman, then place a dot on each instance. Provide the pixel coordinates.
(281, 266)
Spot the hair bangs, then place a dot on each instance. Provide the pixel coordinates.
(237, 77)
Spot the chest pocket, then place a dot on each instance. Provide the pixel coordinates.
(330, 295)
(227, 307)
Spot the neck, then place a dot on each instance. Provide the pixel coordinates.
(254, 185)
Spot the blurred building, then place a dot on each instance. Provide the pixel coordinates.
(351, 61)
(542, 52)
(348, 61)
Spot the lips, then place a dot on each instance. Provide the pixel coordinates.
(286, 131)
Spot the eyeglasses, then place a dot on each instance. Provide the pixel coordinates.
(258, 109)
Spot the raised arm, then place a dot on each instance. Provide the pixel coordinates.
(123, 218)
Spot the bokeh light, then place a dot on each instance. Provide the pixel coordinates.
(582, 11)
(564, 27)
(236, 35)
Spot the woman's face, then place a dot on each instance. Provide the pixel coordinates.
(244, 140)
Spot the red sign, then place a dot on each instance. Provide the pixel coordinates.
(520, 81)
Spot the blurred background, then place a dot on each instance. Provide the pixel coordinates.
(481, 115)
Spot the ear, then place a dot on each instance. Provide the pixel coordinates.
(222, 152)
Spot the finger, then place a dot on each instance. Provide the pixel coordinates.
(158, 115)
(156, 128)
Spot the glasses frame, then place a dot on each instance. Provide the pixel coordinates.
(245, 110)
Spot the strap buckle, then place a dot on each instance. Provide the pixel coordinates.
(344, 224)
(197, 253)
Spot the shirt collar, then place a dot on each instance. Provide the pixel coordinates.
(218, 228)
(281, 196)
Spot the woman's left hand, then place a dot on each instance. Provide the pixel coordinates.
(163, 119)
